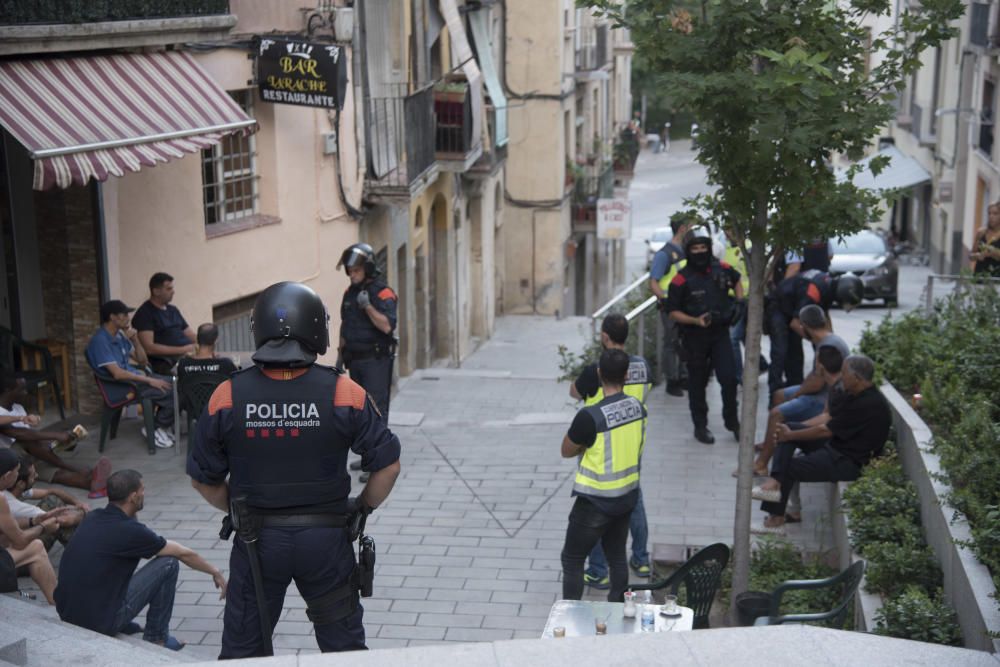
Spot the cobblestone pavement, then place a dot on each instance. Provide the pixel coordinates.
(469, 540)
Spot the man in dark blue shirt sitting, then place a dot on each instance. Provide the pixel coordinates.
(99, 588)
(163, 331)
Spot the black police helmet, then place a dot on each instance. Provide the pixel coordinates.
(358, 254)
(698, 235)
(291, 310)
(849, 291)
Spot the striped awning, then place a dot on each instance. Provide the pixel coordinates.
(97, 116)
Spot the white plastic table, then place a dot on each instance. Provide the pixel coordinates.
(578, 617)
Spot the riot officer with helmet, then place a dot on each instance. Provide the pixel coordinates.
(815, 287)
(271, 449)
(367, 322)
(698, 300)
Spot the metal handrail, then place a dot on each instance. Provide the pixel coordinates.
(641, 308)
(929, 290)
(618, 297)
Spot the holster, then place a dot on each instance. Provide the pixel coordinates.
(366, 566)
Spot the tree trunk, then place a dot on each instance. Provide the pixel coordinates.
(756, 263)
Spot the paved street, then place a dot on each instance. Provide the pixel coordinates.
(469, 541)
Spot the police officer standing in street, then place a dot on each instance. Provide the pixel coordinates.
(698, 299)
(367, 320)
(667, 261)
(271, 449)
(608, 438)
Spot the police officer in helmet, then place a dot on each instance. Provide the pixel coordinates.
(698, 300)
(815, 287)
(273, 443)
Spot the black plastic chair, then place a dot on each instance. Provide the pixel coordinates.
(117, 396)
(11, 349)
(193, 392)
(701, 576)
(847, 581)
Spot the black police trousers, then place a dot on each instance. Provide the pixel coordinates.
(375, 376)
(787, 359)
(705, 349)
(318, 560)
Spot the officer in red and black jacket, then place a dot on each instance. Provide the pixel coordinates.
(698, 299)
(367, 321)
(818, 288)
(278, 434)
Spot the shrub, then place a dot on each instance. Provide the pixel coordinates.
(916, 615)
(893, 566)
(952, 356)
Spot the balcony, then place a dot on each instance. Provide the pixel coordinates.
(592, 50)
(495, 151)
(457, 137)
(45, 26)
(589, 185)
(401, 142)
(979, 24)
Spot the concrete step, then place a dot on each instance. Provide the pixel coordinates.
(31, 635)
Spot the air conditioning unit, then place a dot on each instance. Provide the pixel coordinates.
(343, 24)
(904, 120)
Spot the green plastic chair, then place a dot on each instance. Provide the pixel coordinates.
(116, 396)
(847, 581)
(701, 576)
(193, 391)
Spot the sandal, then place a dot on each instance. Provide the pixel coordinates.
(764, 529)
(766, 495)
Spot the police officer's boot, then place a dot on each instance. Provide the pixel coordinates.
(703, 435)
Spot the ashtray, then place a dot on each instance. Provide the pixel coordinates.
(675, 614)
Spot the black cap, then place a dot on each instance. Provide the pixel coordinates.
(113, 307)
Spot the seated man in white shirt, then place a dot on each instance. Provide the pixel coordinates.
(23, 545)
(55, 504)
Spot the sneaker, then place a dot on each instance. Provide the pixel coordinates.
(600, 583)
(765, 495)
(641, 570)
(674, 389)
(99, 493)
(355, 465)
(99, 475)
(364, 477)
(160, 438)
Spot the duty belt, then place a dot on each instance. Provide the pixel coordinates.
(303, 520)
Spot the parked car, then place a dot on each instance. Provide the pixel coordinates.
(657, 241)
(867, 255)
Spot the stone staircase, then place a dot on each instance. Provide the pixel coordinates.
(31, 635)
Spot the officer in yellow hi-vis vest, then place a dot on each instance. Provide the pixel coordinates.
(608, 438)
(738, 331)
(667, 261)
(638, 382)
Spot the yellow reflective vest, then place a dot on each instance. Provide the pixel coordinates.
(734, 258)
(610, 467)
(638, 382)
(677, 262)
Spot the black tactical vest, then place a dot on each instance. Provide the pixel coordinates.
(708, 293)
(816, 255)
(287, 450)
(360, 335)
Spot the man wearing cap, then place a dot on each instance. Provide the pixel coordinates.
(109, 352)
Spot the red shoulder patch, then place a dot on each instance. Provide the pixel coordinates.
(678, 280)
(386, 294)
(725, 265)
(222, 398)
(813, 293)
(348, 394)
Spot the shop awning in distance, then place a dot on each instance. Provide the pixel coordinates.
(901, 172)
(98, 116)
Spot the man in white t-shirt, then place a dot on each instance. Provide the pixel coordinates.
(55, 504)
(23, 439)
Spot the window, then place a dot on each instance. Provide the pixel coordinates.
(986, 119)
(229, 172)
(233, 320)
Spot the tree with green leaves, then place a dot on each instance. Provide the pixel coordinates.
(778, 87)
